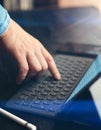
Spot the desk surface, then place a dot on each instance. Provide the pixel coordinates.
(55, 27)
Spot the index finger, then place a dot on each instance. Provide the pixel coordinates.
(51, 64)
(53, 69)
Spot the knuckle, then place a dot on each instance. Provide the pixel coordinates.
(24, 69)
(39, 68)
(50, 59)
(45, 67)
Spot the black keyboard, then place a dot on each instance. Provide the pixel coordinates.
(46, 95)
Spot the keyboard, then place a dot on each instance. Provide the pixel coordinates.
(45, 95)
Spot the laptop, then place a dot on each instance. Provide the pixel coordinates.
(48, 98)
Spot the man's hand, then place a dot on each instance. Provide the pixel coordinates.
(29, 53)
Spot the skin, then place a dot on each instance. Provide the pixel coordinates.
(30, 54)
(79, 3)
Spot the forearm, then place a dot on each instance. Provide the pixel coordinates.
(4, 20)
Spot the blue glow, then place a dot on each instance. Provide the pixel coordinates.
(94, 69)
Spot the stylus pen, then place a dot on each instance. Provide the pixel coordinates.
(17, 119)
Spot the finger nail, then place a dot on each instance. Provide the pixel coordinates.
(58, 76)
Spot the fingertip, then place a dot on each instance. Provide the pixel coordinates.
(58, 76)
